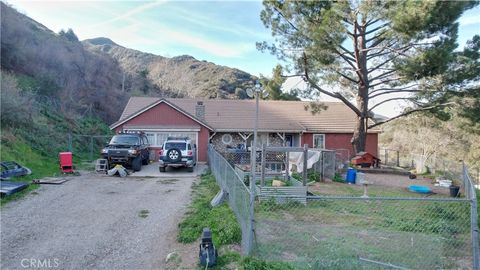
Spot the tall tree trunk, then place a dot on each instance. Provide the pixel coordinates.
(359, 138)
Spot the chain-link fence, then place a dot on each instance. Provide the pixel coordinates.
(356, 233)
(339, 232)
(276, 161)
(427, 164)
(86, 148)
(238, 194)
(39, 150)
(391, 157)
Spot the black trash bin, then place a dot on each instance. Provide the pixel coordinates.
(454, 191)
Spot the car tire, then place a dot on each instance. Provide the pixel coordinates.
(174, 155)
(162, 169)
(137, 164)
(190, 169)
(145, 161)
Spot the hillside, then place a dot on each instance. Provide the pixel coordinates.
(57, 90)
(181, 75)
(78, 81)
(97, 76)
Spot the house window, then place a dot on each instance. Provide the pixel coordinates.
(227, 139)
(319, 141)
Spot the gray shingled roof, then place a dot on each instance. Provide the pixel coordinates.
(239, 115)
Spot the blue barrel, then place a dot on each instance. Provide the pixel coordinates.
(351, 175)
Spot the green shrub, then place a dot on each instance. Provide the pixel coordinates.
(221, 219)
(312, 176)
(338, 178)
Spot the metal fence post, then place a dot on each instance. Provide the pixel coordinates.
(263, 163)
(322, 173)
(475, 244)
(305, 163)
(91, 149)
(473, 217)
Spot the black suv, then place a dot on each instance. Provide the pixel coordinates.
(129, 149)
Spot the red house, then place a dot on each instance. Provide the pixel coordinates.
(229, 123)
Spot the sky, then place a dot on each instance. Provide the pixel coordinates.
(222, 32)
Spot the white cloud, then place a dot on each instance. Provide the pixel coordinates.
(210, 23)
(130, 13)
(216, 48)
(469, 20)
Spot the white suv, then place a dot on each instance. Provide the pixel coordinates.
(178, 152)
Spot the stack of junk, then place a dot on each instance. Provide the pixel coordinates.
(118, 169)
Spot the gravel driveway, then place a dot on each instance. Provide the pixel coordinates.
(94, 222)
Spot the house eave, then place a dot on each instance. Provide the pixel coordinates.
(139, 112)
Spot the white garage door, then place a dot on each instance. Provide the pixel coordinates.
(157, 138)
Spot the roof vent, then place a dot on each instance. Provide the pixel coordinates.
(200, 110)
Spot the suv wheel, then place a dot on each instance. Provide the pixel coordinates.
(137, 164)
(190, 169)
(174, 155)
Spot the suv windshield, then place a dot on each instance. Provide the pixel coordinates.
(178, 145)
(131, 140)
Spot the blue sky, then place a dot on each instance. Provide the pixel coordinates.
(222, 32)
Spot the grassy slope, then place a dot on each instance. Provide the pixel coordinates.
(23, 154)
(225, 229)
(35, 143)
(221, 220)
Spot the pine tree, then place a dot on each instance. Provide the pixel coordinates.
(365, 50)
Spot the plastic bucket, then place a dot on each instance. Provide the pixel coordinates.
(351, 175)
(360, 178)
(454, 191)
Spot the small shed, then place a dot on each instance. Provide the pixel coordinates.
(365, 159)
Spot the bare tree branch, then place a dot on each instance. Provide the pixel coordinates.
(347, 77)
(409, 112)
(382, 75)
(336, 95)
(388, 100)
(377, 28)
(384, 82)
(393, 90)
(287, 20)
(371, 21)
(292, 75)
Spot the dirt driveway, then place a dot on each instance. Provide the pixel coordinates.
(95, 222)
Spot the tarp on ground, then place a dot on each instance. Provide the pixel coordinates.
(8, 187)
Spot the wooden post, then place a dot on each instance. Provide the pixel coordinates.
(305, 163)
(386, 156)
(322, 174)
(398, 158)
(263, 164)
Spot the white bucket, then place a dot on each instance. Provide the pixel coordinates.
(360, 178)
